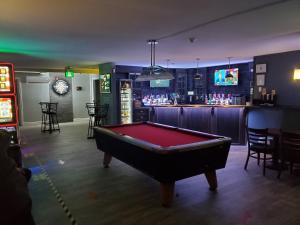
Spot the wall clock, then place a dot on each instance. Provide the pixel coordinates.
(61, 87)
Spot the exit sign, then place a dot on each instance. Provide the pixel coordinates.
(69, 73)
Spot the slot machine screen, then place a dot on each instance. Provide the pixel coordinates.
(6, 110)
(5, 79)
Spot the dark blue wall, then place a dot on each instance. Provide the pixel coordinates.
(243, 87)
(109, 98)
(285, 118)
(143, 88)
(279, 76)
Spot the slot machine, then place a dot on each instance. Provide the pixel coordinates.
(8, 102)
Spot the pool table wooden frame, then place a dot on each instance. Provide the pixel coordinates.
(166, 164)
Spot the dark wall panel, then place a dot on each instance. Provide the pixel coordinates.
(245, 78)
(230, 122)
(197, 118)
(110, 98)
(167, 115)
(279, 76)
(143, 88)
(284, 118)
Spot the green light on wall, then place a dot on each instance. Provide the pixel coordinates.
(69, 73)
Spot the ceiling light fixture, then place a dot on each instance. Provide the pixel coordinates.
(229, 74)
(154, 72)
(198, 75)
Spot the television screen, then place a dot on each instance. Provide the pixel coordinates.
(6, 110)
(159, 83)
(226, 77)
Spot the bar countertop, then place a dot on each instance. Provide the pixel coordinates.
(197, 105)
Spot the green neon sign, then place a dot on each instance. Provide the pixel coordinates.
(69, 73)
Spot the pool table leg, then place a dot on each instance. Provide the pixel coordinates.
(106, 159)
(167, 192)
(212, 179)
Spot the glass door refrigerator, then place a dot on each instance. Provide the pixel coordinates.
(125, 101)
(8, 103)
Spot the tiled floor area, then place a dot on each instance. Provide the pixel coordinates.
(122, 195)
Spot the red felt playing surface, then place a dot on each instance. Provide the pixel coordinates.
(158, 135)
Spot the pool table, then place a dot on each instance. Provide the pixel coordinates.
(163, 152)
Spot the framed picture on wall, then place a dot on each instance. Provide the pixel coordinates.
(105, 83)
(260, 79)
(261, 68)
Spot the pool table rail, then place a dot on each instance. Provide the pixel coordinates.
(214, 139)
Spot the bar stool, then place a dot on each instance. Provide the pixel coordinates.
(97, 116)
(91, 112)
(44, 109)
(49, 117)
(101, 112)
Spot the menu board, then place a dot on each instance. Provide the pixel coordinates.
(5, 83)
(6, 115)
(105, 81)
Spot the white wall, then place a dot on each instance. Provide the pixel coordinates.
(32, 94)
(80, 98)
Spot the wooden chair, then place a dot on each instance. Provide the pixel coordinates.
(290, 150)
(257, 145)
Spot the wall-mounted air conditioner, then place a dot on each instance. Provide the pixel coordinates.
(42, 78)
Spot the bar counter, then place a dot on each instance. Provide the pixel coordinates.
(198, 105)
(225, 120)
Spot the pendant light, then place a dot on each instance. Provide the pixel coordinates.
(198, 75)
(168, 62)
(229, 74)
(167, 68)
(154, 72)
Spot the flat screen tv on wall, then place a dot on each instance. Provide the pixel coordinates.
(226, 77)
(159, 83)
